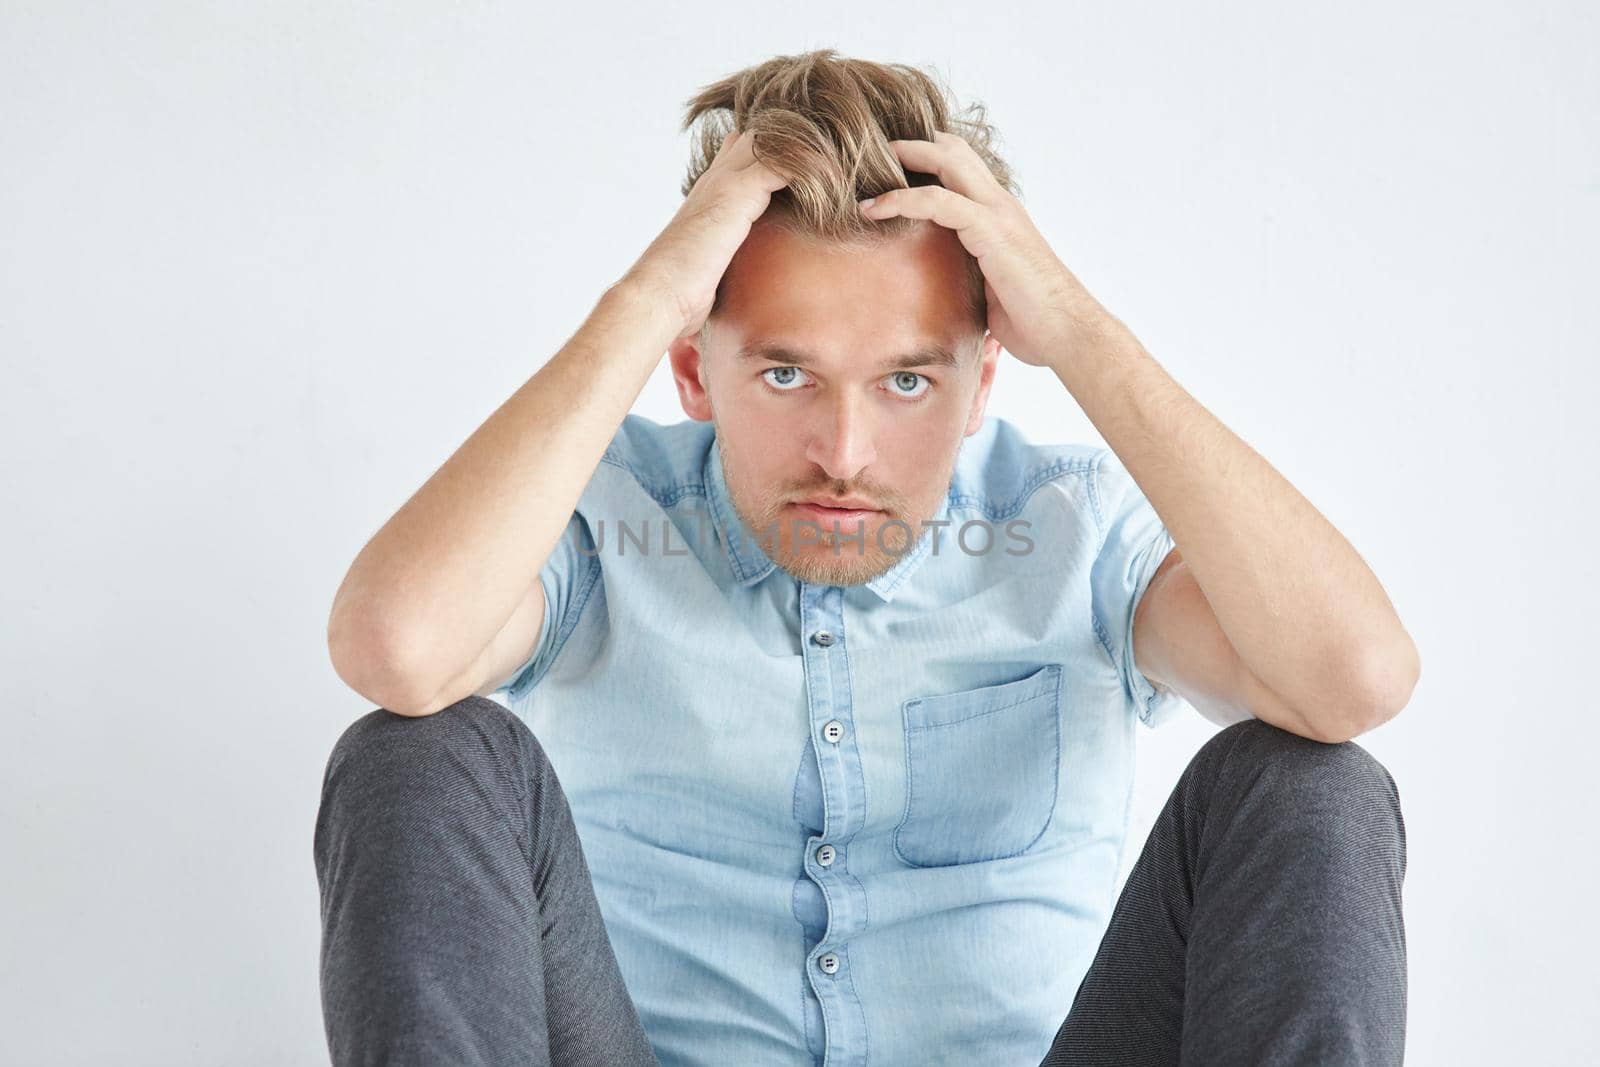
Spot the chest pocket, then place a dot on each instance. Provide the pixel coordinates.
(981, 771)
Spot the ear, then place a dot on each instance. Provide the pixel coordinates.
(688, 371)
(988, 358)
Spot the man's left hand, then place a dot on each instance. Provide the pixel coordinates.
(1035, 302)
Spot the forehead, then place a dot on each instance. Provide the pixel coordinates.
(903, 290)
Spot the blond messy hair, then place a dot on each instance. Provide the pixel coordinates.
(823, 123)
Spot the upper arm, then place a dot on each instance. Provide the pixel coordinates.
(1134, 547)
(538, 630)
(519, 654)
(1179, 645)
(514, 645)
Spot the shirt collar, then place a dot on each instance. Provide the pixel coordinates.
(750, 564)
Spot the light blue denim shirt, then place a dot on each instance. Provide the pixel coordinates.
(878, 824)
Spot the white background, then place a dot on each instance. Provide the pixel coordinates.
(263, 267)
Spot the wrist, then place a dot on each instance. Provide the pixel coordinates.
(638, 297)
(1089, 342)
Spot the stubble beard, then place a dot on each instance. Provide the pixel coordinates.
(864, 549)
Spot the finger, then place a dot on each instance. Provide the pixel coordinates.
(944, 206)
(952, 160)
(745, 154)
(745, 162)
(977, 226)
(764, 176)
(734, 152)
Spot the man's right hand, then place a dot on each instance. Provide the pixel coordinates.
(684, 264)
(447, 599)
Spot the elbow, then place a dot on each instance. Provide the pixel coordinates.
(372, 660)
(1391, 675)
(1382, 681)
(1332, 729)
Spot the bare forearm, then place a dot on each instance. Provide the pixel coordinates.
(441, 578)
(1297, 602)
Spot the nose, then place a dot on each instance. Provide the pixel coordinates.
(842, 443)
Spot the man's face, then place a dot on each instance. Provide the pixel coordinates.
(802, 378)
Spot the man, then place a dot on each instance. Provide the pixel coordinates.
(841, 677)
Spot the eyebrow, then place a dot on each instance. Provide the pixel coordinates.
(930, 355)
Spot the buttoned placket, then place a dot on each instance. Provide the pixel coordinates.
(826, 658)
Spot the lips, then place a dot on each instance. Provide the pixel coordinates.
(823, 514)
(849, 503)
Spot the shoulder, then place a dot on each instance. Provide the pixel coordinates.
(1000, 472)
(666, 460)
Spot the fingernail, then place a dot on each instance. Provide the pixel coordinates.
(867, 202)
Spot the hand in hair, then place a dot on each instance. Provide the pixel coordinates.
(684, 264)
(1035, 303)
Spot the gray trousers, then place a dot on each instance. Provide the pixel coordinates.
(1261, 924)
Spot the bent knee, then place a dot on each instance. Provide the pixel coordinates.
(1256, 740)
(471, 724)
(1305, 777)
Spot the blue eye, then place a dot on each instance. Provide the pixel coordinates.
(908, 384)
(786, 374)
(900, 376)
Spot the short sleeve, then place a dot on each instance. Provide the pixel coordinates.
(567, 579)
(1135, 542)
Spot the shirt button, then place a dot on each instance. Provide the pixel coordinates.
(833, 731)
(823, 637)
(829, 963)
(825, 855)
